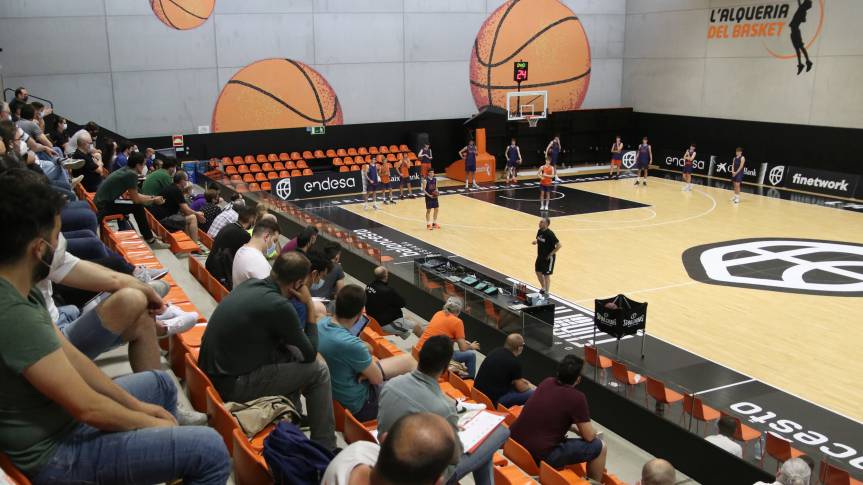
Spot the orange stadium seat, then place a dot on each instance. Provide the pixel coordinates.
(362, 151)
(357, 431)
(338, 162)
(284, 157)
(296, 156)
(278, 166)
(391, 157)
(302, 164)
(307, 155)
(318, 154)
(238, 159)
(227, 161)
(261, 158)
(260, 177)
(520, 457)
(243, 169)
(254, 187)
(660, 393)
(250, 468)
(412, 156)
(394, 149)
(284, 174)
(341, 152)
(249, 159)
(241, 188)
(779, 449)
(330, 153)
(348, 160)
(743, 433)
(296, 173)
(404, 148)
(307, 171)
(248, 178)
(272, 157)
(699, 411)
(197, 382)
(290, 165)
(373, 150)
(625, 376)
(254, 168)
(592, 357)
(355, 168)
(236, 178)
(344, 168)
(230, 170)
(265, 186)
(267, 167)
(383, 149)
(832, 475)
(550, 476)
(352, 151)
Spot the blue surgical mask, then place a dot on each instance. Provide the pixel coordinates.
(270, 249)
(318, 285)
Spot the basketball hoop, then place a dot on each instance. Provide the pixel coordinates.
(532, 120)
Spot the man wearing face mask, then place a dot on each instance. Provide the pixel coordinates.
(254, 346)
(21, 97)
(250, 261)
(175, 214)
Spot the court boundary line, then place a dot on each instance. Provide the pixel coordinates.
(725, 386)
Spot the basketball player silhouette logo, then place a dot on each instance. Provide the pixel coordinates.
(797, 37)
(283, 189)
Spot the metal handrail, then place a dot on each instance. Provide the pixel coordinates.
(10, 90)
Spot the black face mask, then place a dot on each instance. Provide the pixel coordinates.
(41, 271)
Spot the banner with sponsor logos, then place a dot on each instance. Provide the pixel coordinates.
(722, 168)
(811, 180)
(331, 183)
(619, 316)
(673, 160)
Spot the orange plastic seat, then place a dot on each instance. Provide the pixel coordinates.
(250, 468)
(296, 173)
(296, 156)
(242, 188)
(249, 159)
(362, 151)
(235, 178)
(394, 148)
(481, 398)
(254, 187)
(272, 175)
(284, 174)
(260, 158)
(779, 449)
(230, 170)
(337, 162)
(700, 412)
(833, 475)
(243, 169)
(302, 164)
(404, 148)
(592, 357)
(550, 476)
(383, 149)
(278, 166)
(356, 431)
(248, 178)
(510, 475)
(348, 160)
(660, 393)
(625, 376)
(290, 165)
(307, 171)
(391, 157)
(267, 167)
(463, 385)
(227, 161)
(260, 177)
(198, 382)
(254, 168)
(352, 151)
(743, 432)
(307, 155)
(265, 186)
(341, 152)
(344, 168)
(520, 457)
(283, 157)
(412, 156)
(355, 168)
(238, 159)
(329, 153)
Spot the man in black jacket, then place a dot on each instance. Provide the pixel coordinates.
(230, 239)
(384, 304)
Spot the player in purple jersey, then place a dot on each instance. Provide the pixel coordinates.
(468, 153)
(688, 160)
(643, 159)
(737, 171)
(431, 195)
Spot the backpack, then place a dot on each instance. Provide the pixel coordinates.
(293, 458)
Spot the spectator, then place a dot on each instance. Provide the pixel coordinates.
(657, 472)
(385, 304)
(320, 267)
(220, 261)
(56, 131)
(419, 391)
(5, 111)
(227, 216)
(335, 279)
(254, 346)
(211, 207)
(794, 471)
(124, 149)
(108, 148)
(555, 408)
(92, 129)
(27, 122)
(175, 214)
(416, 451)
(446, 322)
(250, 262)
(725, 439)
(357, 377)
(303, 242)
(160, 179)
(92, 168)
(499, 376)
(41, 113)
(63, 420)
(124, 181)
(21, 97)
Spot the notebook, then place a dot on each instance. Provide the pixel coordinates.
(475, 426)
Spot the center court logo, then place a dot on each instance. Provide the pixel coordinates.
(283, 189)
(809, 266)
(776, 175)
(629, 159)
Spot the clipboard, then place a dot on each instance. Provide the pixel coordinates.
(475, 426)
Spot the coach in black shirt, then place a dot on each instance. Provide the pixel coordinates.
(228, 241)
(547, 245)
(384, 304)
(499, 376)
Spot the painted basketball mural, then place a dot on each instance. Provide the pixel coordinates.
(276, 93)
(182, 14)
(548, 35)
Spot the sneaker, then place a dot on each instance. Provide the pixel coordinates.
(160, 287)
(146, 274)
(172, 311)
(190, 417)
(644, 183)
(736, 200)
(393, 202)
(156, 244)
(476, 186)
(429, 227)
(375, 207)
(435, 225)
(73, 163)
(179, 324)
(76, 180)
(636, 181)
(365, 207)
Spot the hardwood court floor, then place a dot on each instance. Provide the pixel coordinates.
(808, 345)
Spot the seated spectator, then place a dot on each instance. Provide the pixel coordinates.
(250, 262)
(555, 408)
(303, 242)
(419, 391)
(21, 98)
(220, 261)
(357, 377)
(446, 322)
(335, 278)
(385, 304)
(27, 122)
(125, 181)
(91, 171)
(159, 180)
(725, 439)
(211, 207)
(500, 377)
(90, 128)
(254, 346)
(175, 214)
(124, 149)
(62, 419)
(150, 158)
(41, 113)
(794, 471)
(320, 266)
(56, 130)
(416, 451)
(658, 472)
(227, 216)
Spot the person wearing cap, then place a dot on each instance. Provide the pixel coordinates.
(446, 322)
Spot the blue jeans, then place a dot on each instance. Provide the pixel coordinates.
(57, 176)
(468, 358)
(572, 451)
(480, 461)
(515, 398)
(153, 455)
(84, 244)
(74, 217)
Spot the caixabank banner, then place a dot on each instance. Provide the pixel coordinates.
(811, 180)
(331, 183)
(722, 168)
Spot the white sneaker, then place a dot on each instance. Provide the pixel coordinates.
(476, 186)
(179, 324)
(190, 417)
(365, 207)
(73, 163)
(172, 311)
(76, 180)
(736, 200)
(375, 206)
(145, 274)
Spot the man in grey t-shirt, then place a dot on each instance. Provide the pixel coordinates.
(335, 279)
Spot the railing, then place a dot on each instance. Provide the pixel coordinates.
(12, 91)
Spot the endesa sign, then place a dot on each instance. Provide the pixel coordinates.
(330, 183)
(673, 160)
(812, 180)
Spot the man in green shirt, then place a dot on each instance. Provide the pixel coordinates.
(157, 180)
(254, 345)
(61, 419)
(122, 181)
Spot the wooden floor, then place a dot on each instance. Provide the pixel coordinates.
(804, 344)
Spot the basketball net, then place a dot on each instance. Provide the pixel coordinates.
(532, 120)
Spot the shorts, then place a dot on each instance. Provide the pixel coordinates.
(176, 222)
(384, 185)
(546, 188)
(644, 164)
(544, 265)
(615, 162)
(511, 166)
(404, 178)
(572, 451)
(424, 169)
(470, 168)
(431, 203)
(369, 411)
(89, 336)
(687, 169)
(738, 177)
(402, 327)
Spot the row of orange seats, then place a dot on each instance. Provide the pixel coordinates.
(314, 154)
(265, 167)
(263, 177)
(338, 161)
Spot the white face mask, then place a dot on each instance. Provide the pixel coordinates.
(62, 127)
(22, 148)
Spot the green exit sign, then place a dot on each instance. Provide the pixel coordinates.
(317, 130)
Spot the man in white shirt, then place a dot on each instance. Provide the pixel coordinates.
(725, 439)
(415, 451)
(793, 472)
(251, 260)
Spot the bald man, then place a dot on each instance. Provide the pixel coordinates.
(384, 304)
(657, 472)
(416, 450)
(499, 376)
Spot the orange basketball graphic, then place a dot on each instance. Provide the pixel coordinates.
(546, 34)
(182, 14)
(276, 93)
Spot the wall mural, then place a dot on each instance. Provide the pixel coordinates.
(182, 14)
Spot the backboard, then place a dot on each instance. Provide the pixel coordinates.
(523, 104)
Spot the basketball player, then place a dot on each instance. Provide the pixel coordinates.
(431, 194)
(547, 174)
(384, 172)
(468, 153)
(737, 172)
(403, 168)
(554, 149)
(616, 158)
(373, 183)
(644, 157)
(688, 160)
(367, 184)
(425, 156)
(547, 245)
(513, 160)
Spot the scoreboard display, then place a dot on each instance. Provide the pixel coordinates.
(519, 71)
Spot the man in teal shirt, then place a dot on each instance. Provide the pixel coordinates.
(356, 376)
